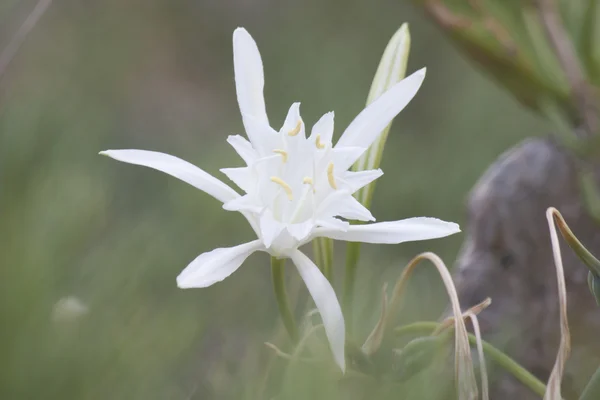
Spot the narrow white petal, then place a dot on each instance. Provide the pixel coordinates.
(214, 266)
(243, 177)
(246, 203)
(270, 228)
(291, 121)
(327, 303)
(260, 133)
(352, 209)
(365, 128)
(249, 76)
(340, 203)
(344, 157)
(333, 223)
(358, 180)
(393, 232)
(243, 147)
(324, 128)
(178, 168)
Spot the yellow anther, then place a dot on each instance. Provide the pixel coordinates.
(296, 130)
(283, 154)
(318, 143)
(330, 177)
(287, 188)
(309, 181)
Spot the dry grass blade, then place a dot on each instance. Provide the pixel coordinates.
(482, 367)
(581, 90)
(472, 314)
(553, 391)
(15, 43)
(475, 310)
(465, 376)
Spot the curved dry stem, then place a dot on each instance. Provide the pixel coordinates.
(482, 367)
(465, 376)
(584, 254)
(553, 387)
(472, 314)
(475, 310)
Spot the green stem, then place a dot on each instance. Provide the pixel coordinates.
(352, 255)
(323, 251)
(277, 273)
(592, 389)
(510, 365)
(328, 259)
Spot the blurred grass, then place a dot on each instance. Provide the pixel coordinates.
(158, 75)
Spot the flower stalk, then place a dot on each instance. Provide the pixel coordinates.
(323, 251)
(283, 304)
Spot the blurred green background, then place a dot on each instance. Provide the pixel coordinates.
(158, 75)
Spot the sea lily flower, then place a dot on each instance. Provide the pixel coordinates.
(295, 187)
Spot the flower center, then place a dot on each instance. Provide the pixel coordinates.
(302, 179)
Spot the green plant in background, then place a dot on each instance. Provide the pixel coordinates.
(542, 51)
(546, 53)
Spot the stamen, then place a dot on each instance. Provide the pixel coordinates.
(296, 130)
(309, 181)
(283, 154)
(330, 177)
(318, 143)
(287, 188)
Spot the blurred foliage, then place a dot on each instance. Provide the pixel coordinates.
(158, 75)
(508, 39)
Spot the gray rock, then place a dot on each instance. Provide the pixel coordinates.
(507, 256)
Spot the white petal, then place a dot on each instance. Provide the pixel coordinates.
(249, 76)
(324, 128)
(270, 228)
(301, 230)
(358, 180)
(333, 223)
(243, 148)
(341, 203)
(247, 203)
(291, 121)
(178, 168)
(344, 157)
(243, 177)
(260, 134)
(327, 303)
(350, 208)
(369, 124)
(393, 232)
(214, 266)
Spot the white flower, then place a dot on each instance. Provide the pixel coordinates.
(295, 187)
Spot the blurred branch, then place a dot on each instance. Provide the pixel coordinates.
(565, 52)
(17, 40)
(501, 50)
